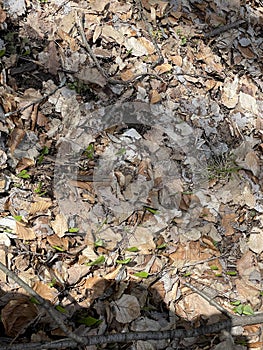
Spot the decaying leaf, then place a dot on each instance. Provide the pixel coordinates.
(24, 232)
(60, 225)
(17, 314)
(127, 308)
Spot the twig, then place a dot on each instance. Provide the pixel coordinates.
(207, 298)
(150, 335)
(36, 101)
(53, 314)
(150, 31)
(79, 22)
(224, 28)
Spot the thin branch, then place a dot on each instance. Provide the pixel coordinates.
(35, 102)
(53, 314)
(150, 335)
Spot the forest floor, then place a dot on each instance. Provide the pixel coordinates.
(131, 177)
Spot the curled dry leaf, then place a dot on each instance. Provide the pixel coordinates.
(17, 314)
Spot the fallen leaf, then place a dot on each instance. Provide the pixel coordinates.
(163, 68)
(45, 291)
(255, 241)
(127, 308)
(25, 233)
(17, 314)
(60, 225)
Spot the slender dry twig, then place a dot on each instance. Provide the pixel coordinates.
(35, 102)
(79, 22)
(224, 28)
(150, 335)
(44, 303)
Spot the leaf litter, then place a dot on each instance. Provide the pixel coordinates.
(179, 178)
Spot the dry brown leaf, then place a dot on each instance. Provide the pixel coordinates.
(56, 241)
(127, 308)
(16, 137)
(40, 205)
(228, 221)
(255, 241)
(95, 287)
(2, 15)
(155, 97)
(207, 215)
(109, 33)
(163, 68)
(17, 314)
(25, 233)
(60, 225)
(177, 60)
(45, 291)
(24, 163)
(68, 39)
(91, 75)
(247, 52)
(84, 185)
(247, 293)
(53, 63)
(127, 74)
(248, 102)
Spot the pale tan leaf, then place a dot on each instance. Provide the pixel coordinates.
(60, 225)
(163, 68)
(45, 291)
(40, 206)
(229, 95)
(255, 241)
(155, 97)
(127, 308)
(55, 241)
(23, 232)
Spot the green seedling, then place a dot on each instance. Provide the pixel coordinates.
(23, 174)
(33, 300)
(99, 261)
(214, 267)
(52, 283)
(18, 217)
(222, 167)
(89, 321)
(242, 309)
(73, 230)
(61, 309)
(142, 274)
(38, 190)
(133, 249)
(162, 246)
(2, 52)
(124, 261)
(89, 151)
(99, 243)
(121, 152)
(151, 210)
(231, 273)
(43, 153)
(59, 249)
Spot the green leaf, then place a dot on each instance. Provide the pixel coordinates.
(17, 217)
(23, 174)
(261, 293)
(162, 246)
(89, 321)
(89, 151)
(151, 210)
(58, 248)
(33, 300)
(53, 283)
(99, 243)
(73, 229)
(123, 262)
(2, 52)
(133, 249)
(142, 274)
(187, 274)
(231, 273)
(61, 309)
(100, 260)
(214, 267)
(236, 302)
(43, 152)
(247, 310)
(121, 152)
(239, 309)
